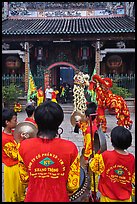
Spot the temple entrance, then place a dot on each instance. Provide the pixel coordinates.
(61, 75)
(66, 75)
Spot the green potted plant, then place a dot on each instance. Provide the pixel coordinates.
(120, 91)
(10, 94)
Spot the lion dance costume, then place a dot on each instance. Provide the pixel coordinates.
(107, 100)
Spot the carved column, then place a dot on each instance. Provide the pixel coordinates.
(97, 65)
(26, 47)
(97, 46)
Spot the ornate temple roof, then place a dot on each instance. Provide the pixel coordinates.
(55, 26)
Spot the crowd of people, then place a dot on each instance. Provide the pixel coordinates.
(46, 168)
(61, 95)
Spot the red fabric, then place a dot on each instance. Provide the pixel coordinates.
(109, 179)
(18, 105)
(40, 93)
(61, 153)
(54, 95)
(31, 120)
(94, 128)
(101, 111)
(5, 159)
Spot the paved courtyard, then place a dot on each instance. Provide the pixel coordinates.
(78, 138)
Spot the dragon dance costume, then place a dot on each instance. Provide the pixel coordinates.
(50, 172)
(14, 191)
(107, 100)
(116, 175)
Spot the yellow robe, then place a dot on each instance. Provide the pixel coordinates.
(14, 191)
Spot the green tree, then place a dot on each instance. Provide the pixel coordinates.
(10, 94)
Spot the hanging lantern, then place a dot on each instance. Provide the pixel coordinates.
(85, 53)
(40, 53)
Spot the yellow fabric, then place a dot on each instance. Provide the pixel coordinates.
(14, 191)
(39, 100)
(23, 174)
(87, 139)
(133, 186)
(88, 146)
(106, 199)
(54, 100)
(11, 150)
(92, 182)
(97, 164)
(56, 92)
(74, 175)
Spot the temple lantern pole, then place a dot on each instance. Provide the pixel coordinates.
(97, 46)
(26, 47)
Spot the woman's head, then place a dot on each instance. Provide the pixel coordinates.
(48, 116)
(121, 137)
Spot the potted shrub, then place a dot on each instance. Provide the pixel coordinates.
(10, 94)
(120, 91)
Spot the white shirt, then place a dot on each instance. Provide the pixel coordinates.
(48, 93)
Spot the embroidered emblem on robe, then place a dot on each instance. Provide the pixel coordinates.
(46, 162)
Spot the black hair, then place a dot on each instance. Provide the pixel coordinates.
(121, 137)
(91, 108)
(48, 116)
(30, 110)
(7, 114)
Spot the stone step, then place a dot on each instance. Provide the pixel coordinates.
(131, 109)
(67, 108)
(130, 101)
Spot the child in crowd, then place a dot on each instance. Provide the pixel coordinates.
(14, 191)
(30, 109)
(116, 168)
(49, 164)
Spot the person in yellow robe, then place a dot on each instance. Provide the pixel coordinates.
(40, 96)
(14, 191)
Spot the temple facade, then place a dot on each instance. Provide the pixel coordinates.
(56, 39)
